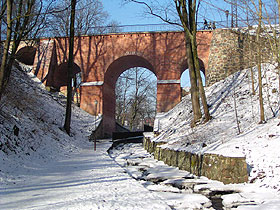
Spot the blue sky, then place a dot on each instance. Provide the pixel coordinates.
(127, 14)
(132, 13)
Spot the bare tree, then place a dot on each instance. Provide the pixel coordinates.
(274, 37)
(259, 62)
(254, 10)
(21, 21)
(187, 11)
(135, 97)
(6, 46)
(22, 28)
(123, 85)
(89, 15)
(2, 12)
(70, 68)
(113, 27)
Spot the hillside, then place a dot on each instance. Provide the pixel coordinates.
(41, 167)
(31, 121)
(259, 143)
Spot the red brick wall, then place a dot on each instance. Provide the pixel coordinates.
(168, 95)
(103, 58)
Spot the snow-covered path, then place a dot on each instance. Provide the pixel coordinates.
(85, 180)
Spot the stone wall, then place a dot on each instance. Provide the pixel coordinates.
(216, 167)
(232, 51)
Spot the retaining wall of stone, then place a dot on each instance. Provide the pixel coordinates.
(215, 167)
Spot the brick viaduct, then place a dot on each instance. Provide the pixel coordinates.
(102, 58)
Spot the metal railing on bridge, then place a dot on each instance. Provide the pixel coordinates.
(138, 28)
(98, 30)
(162, 27)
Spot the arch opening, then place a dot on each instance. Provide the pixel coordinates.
(26, 55)
(136, 91)
(185, 77)
(111, 76)
(122, 64)
(61, 72)
(57, 81)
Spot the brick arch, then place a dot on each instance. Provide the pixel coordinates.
(59, 77)
(184, 66)
(121, 64)
(98, 56)
(26, 55)
(115, 69)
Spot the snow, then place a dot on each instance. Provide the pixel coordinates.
(84, 180)
(248, 199)
(41, 167)
(44, 168)
(165, 181)
(274, 205)
(259, 143)
(181, 190)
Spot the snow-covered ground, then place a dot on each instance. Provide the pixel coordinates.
(42, 167)
(259, 143)
(182, 190)
(86, 180)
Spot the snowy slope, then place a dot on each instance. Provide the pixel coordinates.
(41, 167)
(258, 142)
(38, 116)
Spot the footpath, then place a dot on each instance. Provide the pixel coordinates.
(85, 180)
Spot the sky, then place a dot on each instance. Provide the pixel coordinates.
(212, 10)
(127, 14)
(133, 13)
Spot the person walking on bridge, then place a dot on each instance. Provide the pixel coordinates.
(205, 24)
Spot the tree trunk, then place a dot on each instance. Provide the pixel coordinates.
(3, 8)
(188, 20)
(235, 111)
(278, 50)
(262, 120)
(194, 88)
(251, 68)
(200, 84)
(193, 28)
(70, 69)
(21, 28)
(16, 41)
(6, 46)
